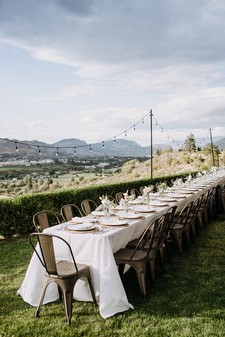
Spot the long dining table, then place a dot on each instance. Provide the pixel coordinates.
(95, 247)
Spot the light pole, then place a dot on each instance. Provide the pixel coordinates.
(151, 145)
(213, 159)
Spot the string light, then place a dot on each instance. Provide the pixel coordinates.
(142, 120)
(16, 147)
(75, 151)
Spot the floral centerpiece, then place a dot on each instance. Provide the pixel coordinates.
(124, 202)
(161, 187)
(177, 183)
(189, 178)
(106, 205)
(146, 192)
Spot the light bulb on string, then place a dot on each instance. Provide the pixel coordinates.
(90, 149)
(16, 147)
(57, 151)
(134, 127)
(114, 140)
(125, 134)
(142, 121)
(39, 150)
(74, 151)
(103, 143)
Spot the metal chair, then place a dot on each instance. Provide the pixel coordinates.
(135, 192)
(69, 211)
(163, 222)
(87, 206)
(181, 228)
(43, 219)
(137, 256)
(119, 196)
(64, 273)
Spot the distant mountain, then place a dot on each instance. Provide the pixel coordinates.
(220, 143)
(67, 147)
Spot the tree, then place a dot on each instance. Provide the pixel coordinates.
(190, 143)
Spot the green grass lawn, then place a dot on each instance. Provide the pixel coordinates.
(188, 300)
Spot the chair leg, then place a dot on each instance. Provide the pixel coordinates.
(67, 291)
(44, 287)
(178, 239)
(167, 247)
(140, 271)
(152, 258)
(161, 257)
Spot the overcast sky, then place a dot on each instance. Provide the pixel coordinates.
(90, 69)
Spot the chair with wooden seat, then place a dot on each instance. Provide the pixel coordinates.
(137, 256)
(43, 219)
(87, 206)
(69, 211)
(64, 273)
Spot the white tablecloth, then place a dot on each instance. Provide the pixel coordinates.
(96, 250)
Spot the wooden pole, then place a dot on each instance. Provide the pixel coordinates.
(151, 144)
(213, 159)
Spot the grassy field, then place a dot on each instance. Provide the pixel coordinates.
(188, 300)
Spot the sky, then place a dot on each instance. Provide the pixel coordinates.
(94, 69)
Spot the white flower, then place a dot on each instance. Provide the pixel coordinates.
(148, 189)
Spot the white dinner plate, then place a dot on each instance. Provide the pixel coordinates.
(77, 220)
(167, 199)
(143, 209)
(112, 222)
(129, 215)
(98, 213)
(159, 204)
(79, 228)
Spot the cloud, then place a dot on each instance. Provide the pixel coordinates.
(119, 34)
(124, 56)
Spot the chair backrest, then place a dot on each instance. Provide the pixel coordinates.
(47, 244)
(169, 224)
(161, 230)
(44, 219)
(69, 211)
(87, 206)
(141, 189)
(184, 215)
(153, 234)
(119, 196)
(135, 192)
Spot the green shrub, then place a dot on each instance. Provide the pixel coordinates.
(17, 213)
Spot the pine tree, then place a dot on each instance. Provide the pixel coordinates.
(190, 143)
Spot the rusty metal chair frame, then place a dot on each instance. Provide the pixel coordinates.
(64, 273)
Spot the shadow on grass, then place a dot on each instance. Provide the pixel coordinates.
(192, 285)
